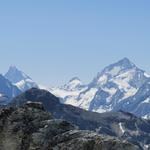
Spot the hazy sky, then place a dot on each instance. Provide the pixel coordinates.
(55, 40)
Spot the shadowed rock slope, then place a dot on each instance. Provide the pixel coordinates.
(31, 128)
(123, 125)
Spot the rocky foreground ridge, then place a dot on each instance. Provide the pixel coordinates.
(122, 125)
(30, 127)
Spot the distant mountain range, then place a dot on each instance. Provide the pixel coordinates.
(112, 104)
(119, 86)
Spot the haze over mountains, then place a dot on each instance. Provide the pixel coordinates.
(119, 86)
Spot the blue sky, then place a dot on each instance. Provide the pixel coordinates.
(53, 41)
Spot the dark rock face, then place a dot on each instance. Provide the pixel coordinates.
(36, 95)
(126, 126)
(31, 128)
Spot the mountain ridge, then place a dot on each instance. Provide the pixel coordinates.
(19, 79)
(31, 127)
(120, 124)
(112, 89)
(115, 83)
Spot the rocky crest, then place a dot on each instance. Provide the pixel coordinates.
(30, 127)
(120, 124)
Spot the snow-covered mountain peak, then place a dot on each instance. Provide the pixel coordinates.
(19, 78)
(119, 80)
(121, 66)
(75, 79)
(108, 90)
(13, 68)
(15, 75)
(123, 70)
(74, 83)
(125, 62)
